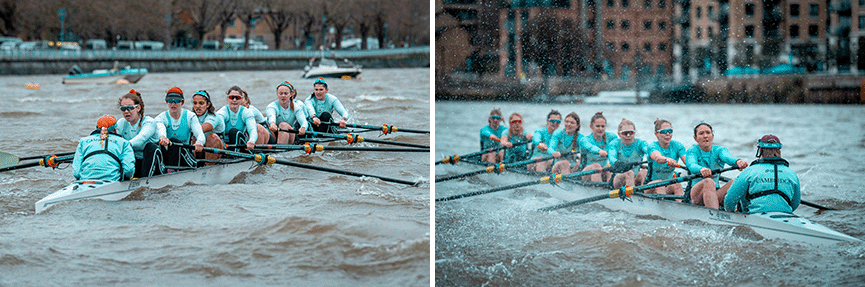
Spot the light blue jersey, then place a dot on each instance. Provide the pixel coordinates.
(259, 117)
(242, 120)
(517, 153)
(661, 171)
(590, 147)
(696, 159)
(635, 152)
(276, 114)
(562, 142)
(181, 129)
(541, 135)
(94, 161)
(758, 182)
(315, 107)
(138, 134)
(215, 121)
(486, 131)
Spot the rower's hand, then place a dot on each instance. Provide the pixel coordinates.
(273, 128)
(250, 145)
(164, 141)
(198, 147)
(557, 154)
(672, 163)
(741, 164)
(342, 123)
(495, 138)
(542, 146)
(602, 153)
(316, 121)
(705, 172)
(507, 144)
(301, 131)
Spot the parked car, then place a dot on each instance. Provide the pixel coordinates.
(9, 43)
(96, 44)
(34, 45)
(210, 45)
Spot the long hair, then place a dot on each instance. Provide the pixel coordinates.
(206, 96)
(660, 122)
(136, 98)
(511, 118)
(291, 92)
(599, 115)
(494, 112)
(574, 142)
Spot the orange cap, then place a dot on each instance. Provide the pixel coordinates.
(106, 121)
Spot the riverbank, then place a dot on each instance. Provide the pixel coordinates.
(58, 62)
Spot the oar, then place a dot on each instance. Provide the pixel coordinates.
(351, 138)
(501, 167)
(456, 158)
(266, 159)
(617, 168)
(47, 161)
(808, 203)
(7, 159)
(317, 147)
(386, 129)
(627, 191)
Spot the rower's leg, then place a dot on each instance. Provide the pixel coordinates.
(263, 135)
(594, 176)
(675, 189)
(488, 157)
(543, 166)
(284, 137)
(562, 167)
(699, 190)
(500, 156)
(213, 141)
(722, 192)
(640, 178)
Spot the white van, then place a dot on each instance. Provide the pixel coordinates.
(95, 44)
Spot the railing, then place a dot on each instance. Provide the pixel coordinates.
(29, 55)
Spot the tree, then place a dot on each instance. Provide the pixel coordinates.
(279, 16)
(8, 10)
(226, 17)
(203, 16)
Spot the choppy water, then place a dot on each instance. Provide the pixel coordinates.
(499, 239)
(273, 225)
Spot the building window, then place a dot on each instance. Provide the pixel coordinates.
(699, 33)
(662, 47)
(611, 25)
(610, 3)
(710, 33)
(662, 26)
(626, 24)
(813, 31)
(625, 3)
(861, 22)
(647, 4)
(647, 25)
(662, 70)
(699, 12)
(749, 31)
(794, 10)
(590, 3)
(794, 31)
(590, 24)
(647, 47)
(626, 46)
(611, 46)
(711, 12)
(749, 9)
(662, 4)
(814, 10)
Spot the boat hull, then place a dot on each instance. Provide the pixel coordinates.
(107, 77)
(331, 73)
(118, 190)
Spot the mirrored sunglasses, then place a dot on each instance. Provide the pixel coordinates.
(496, 117)
(128, 108)
(627, 133)
(665, 131)
(234, 97)
(516, 121)
(555, 121)
(173, 101)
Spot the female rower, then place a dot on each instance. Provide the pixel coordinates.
(664, 154)
(596, 148)
(286, 113)
(211, 124)
(491, 137)
(631, 150)
(516, 134)
(141, 132)
(239, 121)
(541, 140)
(567, 140)
(264, 135)
(702, 158)
(178, 125)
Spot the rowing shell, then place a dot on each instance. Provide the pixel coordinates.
(116, 190)
(769, 225)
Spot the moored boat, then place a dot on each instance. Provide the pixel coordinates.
(106, 76)
(329, 68)
(781, 225)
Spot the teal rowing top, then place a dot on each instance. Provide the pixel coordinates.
(215, 121)
(99, 165)
(139, 134)
(562, 142)
(180, 129)
(276, 114)
(635, 152)
(315, 107)
(696, 159)
(243, 120)
(661, 171)
(541, 135)
(517, 153)
(760, 176)
(486, 131)
(590, 147)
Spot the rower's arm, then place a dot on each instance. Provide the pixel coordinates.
(195, 128)
(337, 105)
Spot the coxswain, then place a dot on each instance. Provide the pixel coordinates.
(768, 184)
(703, 157)
(321, 104)
(286, 113)
(178, 125)
(240, 126)
(141, 132)
(104, 155)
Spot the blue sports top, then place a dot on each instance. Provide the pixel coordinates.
(259, 117)
(661, 170)
(139, 134)
(541, 135)
(562, 143)
(635, 152)
(276, 114)
(696, 159)
(590, 147)
(103, 166)
(243, 120)
(486, 131)
(517, 153)
(180, 129)
(215, 121)
(315, 107)
(759, 177)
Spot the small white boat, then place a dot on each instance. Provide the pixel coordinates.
(117, 190)
(104, 76)
(617, 97)
(781, 225)
(329, 68)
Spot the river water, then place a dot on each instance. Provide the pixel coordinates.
(499, 239)
(274, 225)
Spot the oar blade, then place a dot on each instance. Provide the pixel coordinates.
(7, 159)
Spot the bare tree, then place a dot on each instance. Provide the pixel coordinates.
(8, 10)
(279, 17)
(225, 18)
(310, 16)
(203, 16)
(248, 12)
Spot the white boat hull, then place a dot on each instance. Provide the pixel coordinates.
(107, 77)
(118, 190)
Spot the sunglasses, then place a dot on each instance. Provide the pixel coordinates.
(496, 117)
(516, 122)
(627, 133)
(128, 108)
(233, 97)
(173, 101)
(555, 121)
(665, 131)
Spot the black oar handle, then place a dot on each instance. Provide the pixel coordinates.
(352, 138)
(47, 155)
(499, 168)
(456, 158)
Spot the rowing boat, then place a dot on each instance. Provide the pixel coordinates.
(117, 190)
(781, 225)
